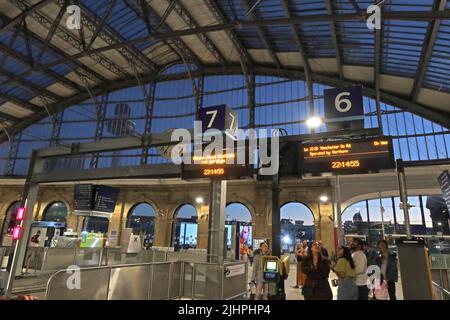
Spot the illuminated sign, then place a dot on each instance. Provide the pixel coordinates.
(215, 166)
(20, 214)
(17, 232)
(348, 156)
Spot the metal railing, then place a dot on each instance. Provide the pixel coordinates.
(440, 293)
(52, 259)
(151, 281)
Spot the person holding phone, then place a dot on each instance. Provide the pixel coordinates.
(316, 267)
(345, 270)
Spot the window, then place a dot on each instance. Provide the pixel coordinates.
(297, 224)
(57, 211)
(185, 228)
(141, 219)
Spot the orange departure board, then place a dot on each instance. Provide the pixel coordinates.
(215, 166)
(348, 156)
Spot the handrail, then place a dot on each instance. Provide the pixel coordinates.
(180, 288)
(441, 288)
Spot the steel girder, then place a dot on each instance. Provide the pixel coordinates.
(425, 16)
(427, 50)
(369, 90)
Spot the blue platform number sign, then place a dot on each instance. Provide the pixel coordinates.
(345, 104)
(218, 117)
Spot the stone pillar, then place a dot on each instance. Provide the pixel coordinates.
(327, 227)
(163, 231)
(202, 231)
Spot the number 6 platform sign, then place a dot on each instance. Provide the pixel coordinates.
(344, 105)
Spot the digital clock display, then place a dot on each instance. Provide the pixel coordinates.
(348, 156)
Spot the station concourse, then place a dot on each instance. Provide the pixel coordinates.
(151, 149)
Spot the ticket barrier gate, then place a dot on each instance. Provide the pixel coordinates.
(275, 271)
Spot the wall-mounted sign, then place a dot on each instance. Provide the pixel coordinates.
(83, 197)
(348, 156)
(105, 198)
(234, 270)
(99, 199)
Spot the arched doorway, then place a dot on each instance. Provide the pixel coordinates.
(297, 224)
(9, 223)
(184, 231)
(55, 212)
(141, 219)
(238, 224)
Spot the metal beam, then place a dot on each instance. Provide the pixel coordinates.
(262, 34)
(425, 16)
(23, 59)
(22, 103)
(143, 13)
(376, 79)
(334, 38)
(29, 85)
(8, 117)
(111, 36)
(51, 32)
(192, 24)
(427, 50)
(102, 23)
(151, 171)
(439, 117)
(306, 65)
(16, 20)
(166, 14)
(72, 39)
(92, 74)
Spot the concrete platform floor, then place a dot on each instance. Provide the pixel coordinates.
(295, 294)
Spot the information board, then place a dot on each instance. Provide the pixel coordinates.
(83, 197)
(348, 156)
(444, 182)
(215, 166)
(105, 198)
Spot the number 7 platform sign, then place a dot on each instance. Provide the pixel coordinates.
(218, 117)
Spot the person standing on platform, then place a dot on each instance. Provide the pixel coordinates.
(387, 261)
(370, 253)
(316, 267)
(300, 254)
(250, 254)
(360, 261)
(324, 250)
(262, 286)
(345, 270)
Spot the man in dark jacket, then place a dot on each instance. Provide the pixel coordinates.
(387, 261)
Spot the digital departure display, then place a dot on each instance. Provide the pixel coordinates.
(348, 156)
(215, 166)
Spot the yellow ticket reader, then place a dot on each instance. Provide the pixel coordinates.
(275, 271)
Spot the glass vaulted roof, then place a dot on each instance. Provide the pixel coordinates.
(47, 66)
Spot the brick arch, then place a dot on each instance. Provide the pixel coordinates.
(147, 201)
(246, 203)
(52, 200)
(174, 208)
